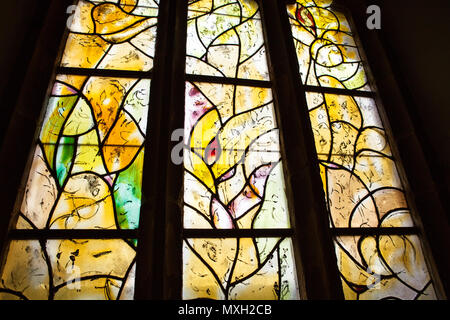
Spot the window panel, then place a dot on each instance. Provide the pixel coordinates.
(383, 267)
(325, 46)
(233, 166)
(84, 269)
(358, 169)
(115, 35)
(233, 178)
(88, 164)
(86, 170)
(224, 39)
(239, 269)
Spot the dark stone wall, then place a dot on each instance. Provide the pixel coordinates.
(416, 35)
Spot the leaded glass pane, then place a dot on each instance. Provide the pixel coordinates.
(383, 267)
(233, 175)
(359, 171)
(88, 164)
(326, 50)
(224, 39)
(233, 170)
(119, 35)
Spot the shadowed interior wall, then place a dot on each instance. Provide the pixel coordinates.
(416, 35)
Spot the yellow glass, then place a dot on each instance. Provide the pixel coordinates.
(326, 50)
(91, 147)
(239, 269)
(225, 39)
(111, 35)
(68, 270)
(359, 173)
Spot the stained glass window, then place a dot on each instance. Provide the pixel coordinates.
(87, 166)
(233, 178)
(224, 39)
(74, 232)
(326, 50)
(365, 195)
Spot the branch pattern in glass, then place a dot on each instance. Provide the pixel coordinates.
(87, 167)
(233, 171)
(234, 180)
(357, 166)
(359, 172)
(363, 190)
(224, 39)
(118, 35)
(326, 50)
(239, 269)
(86, 172)
(383, 267)
(69, 269)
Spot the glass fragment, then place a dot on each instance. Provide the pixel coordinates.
(225, 39)
(239, 269)
(68, 270)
